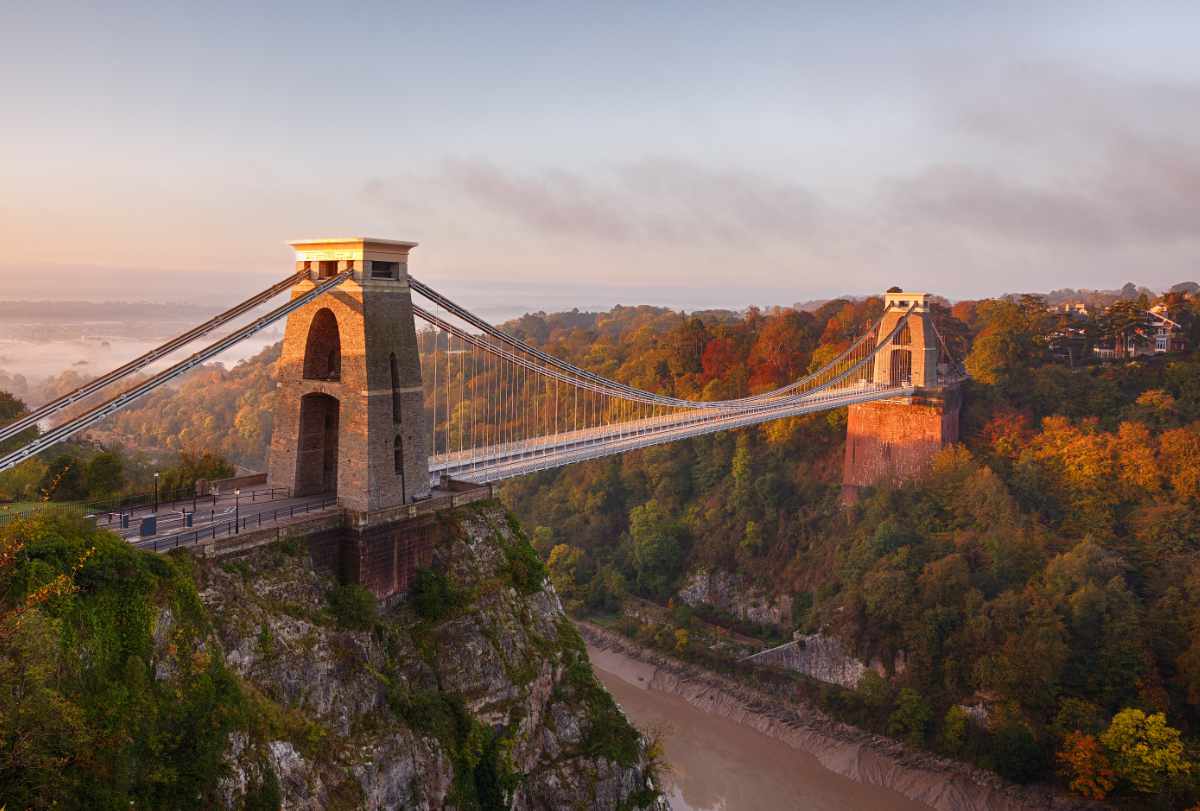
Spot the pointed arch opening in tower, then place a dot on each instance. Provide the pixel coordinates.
(317, 456)
(323, 351)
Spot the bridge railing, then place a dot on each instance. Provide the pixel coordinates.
(237, 526)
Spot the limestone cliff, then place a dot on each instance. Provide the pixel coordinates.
(731, 593)
(475, 693)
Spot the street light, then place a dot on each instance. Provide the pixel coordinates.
(237, 511)
(156, 494)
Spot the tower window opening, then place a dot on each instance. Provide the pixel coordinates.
(394, 365)
(385, 270)
(326, 270)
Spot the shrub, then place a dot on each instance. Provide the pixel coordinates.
(432, 596)
(353, 607)
(526, 571)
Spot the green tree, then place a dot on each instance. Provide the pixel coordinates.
(910, 720)
(657, 549)
(1009, 343)
(63, 480)
(1016, 752)
(105, 475)
(193, 466)
(563, 565)
(741, 471)
(954, 730)
(1145, 752)
(10, 409)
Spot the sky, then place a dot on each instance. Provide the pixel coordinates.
(677, 153)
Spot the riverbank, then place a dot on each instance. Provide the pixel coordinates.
(938, 783)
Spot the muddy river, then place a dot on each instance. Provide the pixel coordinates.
(719, 765)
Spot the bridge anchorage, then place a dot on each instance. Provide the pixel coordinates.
(393, 402)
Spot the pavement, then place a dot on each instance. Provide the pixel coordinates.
(252, 509)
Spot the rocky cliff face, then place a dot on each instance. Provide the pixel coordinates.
(476, 693)
(820, 657)
(730, 593)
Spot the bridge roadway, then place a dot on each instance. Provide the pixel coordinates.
(556, 450)
(263, 507)
(211, 513)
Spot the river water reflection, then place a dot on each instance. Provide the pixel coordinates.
(719, 765)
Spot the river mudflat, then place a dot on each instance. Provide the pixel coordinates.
(773, 767)
(720, 765)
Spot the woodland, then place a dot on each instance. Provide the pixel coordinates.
(1047, 567)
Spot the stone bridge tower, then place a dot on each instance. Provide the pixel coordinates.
(894, 440)
(349, 408)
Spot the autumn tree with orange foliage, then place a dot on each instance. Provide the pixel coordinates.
(1085, 766)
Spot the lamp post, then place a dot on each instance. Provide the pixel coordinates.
(156, 494)
(237, 511)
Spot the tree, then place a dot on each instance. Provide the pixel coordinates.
(1009, 343)
(105, 475)
(1126, 324)
(1180, 454)
(1017, 754)
(1085, 766)
(563, 564)
(657, 550)
(741, 471)
(605, 591)
(193, 466)
(64, 480)
(910, 720)
(954, 730)
(1145, 752)
(752, 539)
(10, 409)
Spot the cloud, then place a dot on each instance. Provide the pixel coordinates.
(965, 197)
(553, 202)
(1039, 175)
(652, 200)
(1062, 157)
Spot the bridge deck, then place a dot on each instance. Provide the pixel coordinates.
(543, 453)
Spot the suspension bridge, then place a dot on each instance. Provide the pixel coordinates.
(388, 389)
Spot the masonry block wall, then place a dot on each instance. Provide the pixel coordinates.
(895, 440)
(384, 559)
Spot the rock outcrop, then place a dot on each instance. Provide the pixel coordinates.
(820, 657)
(475, 694)
(728, 592)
